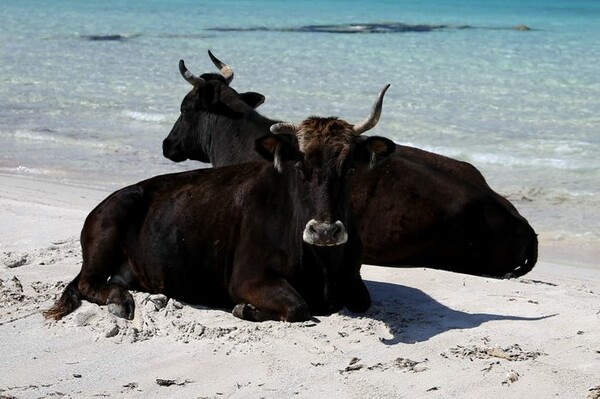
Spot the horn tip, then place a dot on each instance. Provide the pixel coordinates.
(275, 128)
(215, 60)
(284, 128)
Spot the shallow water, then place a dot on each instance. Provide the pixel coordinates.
(88, 90)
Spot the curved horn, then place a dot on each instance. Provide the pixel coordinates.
(225, 70)
(284, 128)
(188, 76)
(372, 120)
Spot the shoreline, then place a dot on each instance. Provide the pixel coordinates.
(428, 334)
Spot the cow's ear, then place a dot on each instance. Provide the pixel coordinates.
(253, 99)
(277, 148)
(374, 148)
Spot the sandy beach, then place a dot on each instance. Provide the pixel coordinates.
(429, 334)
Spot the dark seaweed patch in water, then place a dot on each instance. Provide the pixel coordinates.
(108, 38)
(345, 28)
(395, 27)
(122, 38)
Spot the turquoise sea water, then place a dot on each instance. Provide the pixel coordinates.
(522, 106)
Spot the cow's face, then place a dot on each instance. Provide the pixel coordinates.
(320, 155)
(206, 110)
(326, 160)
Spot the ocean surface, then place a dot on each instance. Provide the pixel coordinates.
(89, 89)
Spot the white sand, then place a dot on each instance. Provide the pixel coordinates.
(429, 334)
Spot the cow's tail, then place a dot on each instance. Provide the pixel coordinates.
(68, 301)
(530, 257)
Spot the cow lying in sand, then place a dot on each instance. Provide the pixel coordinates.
(273, 240)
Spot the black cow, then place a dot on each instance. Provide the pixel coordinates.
(416, 208)
(274, 240)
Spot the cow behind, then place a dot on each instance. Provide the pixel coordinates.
(414, 208)
(273, 240)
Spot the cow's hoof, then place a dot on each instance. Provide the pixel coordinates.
(117, 310)
(123, 310)
(298, 313)
(244, 311)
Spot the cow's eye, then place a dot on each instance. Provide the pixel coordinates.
(350, 171)
(185, 108)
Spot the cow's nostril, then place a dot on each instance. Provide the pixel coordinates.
(337, 230)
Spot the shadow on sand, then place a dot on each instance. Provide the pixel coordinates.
(413, 316)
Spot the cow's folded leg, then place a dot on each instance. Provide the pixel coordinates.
(119, 300)
(269, 299)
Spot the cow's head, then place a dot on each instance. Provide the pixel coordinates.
(210, 98)
(320, 155)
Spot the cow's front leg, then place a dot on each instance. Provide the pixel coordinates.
(356, 295)
(268, 299)
(354, 292)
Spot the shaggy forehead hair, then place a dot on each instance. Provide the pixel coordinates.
(316, 134)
